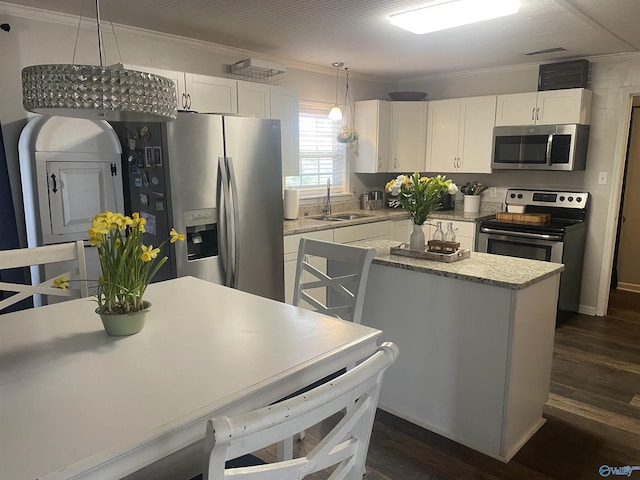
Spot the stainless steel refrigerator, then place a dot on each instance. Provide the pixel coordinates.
(217, 179)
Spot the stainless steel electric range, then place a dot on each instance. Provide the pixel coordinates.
(562, 240)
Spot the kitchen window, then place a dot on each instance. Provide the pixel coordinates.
(321, 156)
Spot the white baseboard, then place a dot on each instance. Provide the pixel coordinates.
(628, 287)
(587, 310)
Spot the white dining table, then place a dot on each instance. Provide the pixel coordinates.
(77, 403)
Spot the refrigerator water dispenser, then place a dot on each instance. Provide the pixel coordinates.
(202, 233)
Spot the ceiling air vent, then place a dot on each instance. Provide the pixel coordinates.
(556, 76)
(547, 50)
(261, 71)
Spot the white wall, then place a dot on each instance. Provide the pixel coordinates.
(613, 79)
(38, 36)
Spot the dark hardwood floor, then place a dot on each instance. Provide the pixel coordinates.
(593, 414)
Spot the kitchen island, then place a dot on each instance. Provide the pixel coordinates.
(476, 338)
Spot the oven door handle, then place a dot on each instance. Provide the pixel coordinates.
(538, 236)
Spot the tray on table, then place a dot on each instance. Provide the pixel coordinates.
(404, 250)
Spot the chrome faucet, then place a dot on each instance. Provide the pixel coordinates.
(327, 207)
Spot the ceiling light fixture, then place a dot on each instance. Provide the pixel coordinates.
(336, 114)
(452, 13)
(98, 92)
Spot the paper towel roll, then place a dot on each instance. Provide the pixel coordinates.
(291, 204)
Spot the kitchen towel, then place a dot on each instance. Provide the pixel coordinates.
(291, 204)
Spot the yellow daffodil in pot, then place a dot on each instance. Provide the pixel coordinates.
(128, 266)
(420, 196)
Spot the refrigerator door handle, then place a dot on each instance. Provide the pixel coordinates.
(235, 258)
(224, 218)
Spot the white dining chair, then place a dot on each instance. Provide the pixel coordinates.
(331, 278)
(339, 291)
(344, 447)
(40, 256)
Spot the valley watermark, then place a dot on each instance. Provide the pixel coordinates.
(625, 471)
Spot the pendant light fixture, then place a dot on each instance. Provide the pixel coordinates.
(336, 114)
(98, 92)
(347, 132)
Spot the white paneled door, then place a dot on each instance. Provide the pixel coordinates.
(79, 190)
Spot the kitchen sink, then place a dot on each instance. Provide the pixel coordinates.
(341, 217)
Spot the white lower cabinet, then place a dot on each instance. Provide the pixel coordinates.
(397, 230)
(402, 229)
(354, 233)
(465, 231)
(363, 232)
(291, 243)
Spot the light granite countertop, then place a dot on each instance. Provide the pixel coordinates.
(314, 223)
(502, 271)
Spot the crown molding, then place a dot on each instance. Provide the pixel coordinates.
(141, 33)
(468, 73)
(608, 58)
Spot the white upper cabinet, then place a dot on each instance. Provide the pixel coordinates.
(460, 135)
(201, 93)
(373, 121)
(572, 105)
(206, 94)
(284, 103)
(211, 94)
(254, 99)
(408, 136)
(442, 137)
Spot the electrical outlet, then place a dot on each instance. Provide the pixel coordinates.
(493, 192)
(602, 178)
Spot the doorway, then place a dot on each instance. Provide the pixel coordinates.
(625, 275)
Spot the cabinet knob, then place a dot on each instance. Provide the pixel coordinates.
(55, 185)
(537, 113)
(533, 113)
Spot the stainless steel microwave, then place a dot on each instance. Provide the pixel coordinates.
(540, 147)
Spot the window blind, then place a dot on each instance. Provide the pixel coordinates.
(321, 156)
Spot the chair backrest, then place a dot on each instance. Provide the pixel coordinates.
(340, 290)
(28, 257)
(344, 447)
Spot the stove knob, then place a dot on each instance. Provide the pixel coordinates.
(513, 195)
(519, 195)
(562, 198)
(578, 199)
(570, 199)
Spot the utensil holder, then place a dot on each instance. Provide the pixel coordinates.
(472, 203)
